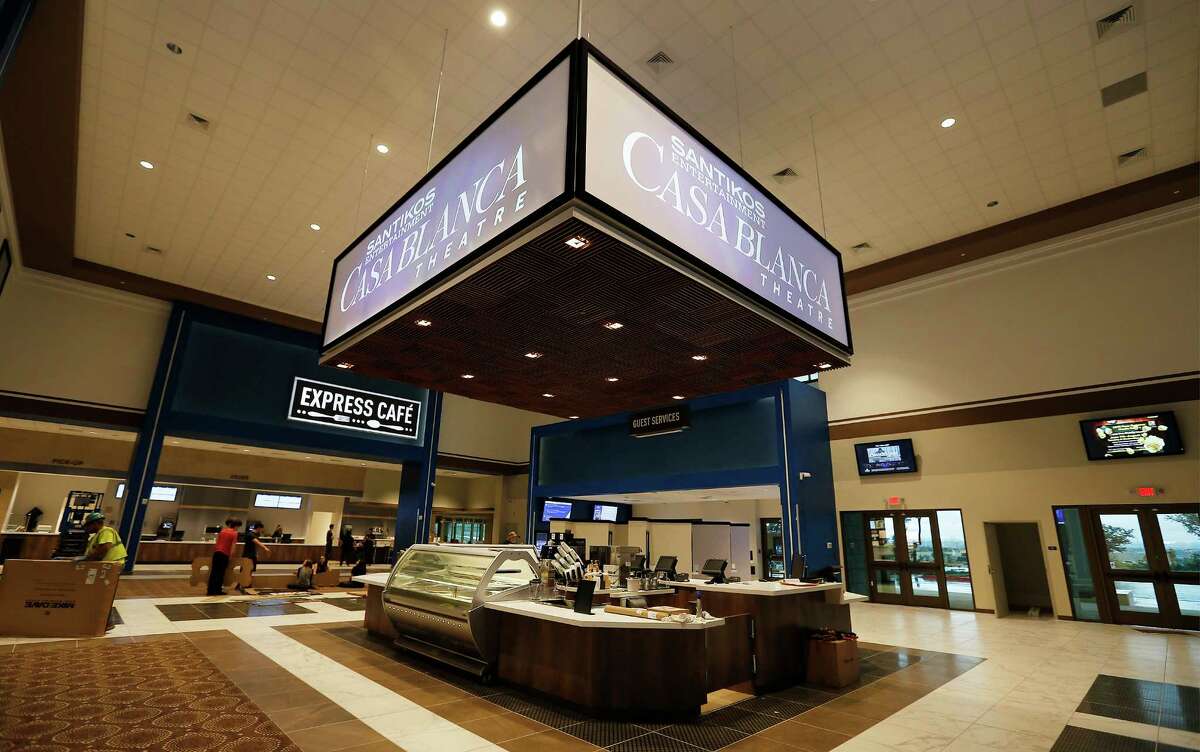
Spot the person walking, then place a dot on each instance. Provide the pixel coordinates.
(329, 543)
(222, 553)
(251, 550)
(347, 541)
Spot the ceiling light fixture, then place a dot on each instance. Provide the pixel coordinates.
(345, 366)
(382, 148)
(699, 357)
(611, 379)
(993, 203)
(272, 277)
(614, 325)
(174, 48)
(824, 365)
(146, 165)
(949, 122)
(424, 322)
(498, 18)
(314, 227)
(573, 417)
(676, 396)
(578, 242)
(533, 355)
(468, 375)
(547, 395)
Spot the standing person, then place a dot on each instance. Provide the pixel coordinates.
(512, 539)
(222, 553)
(104, 544)
(329, 543)
(252, 548)
(278, 534)
(347, 541)
(367, 554)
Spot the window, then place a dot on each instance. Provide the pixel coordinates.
(954, 560)
(278, 501)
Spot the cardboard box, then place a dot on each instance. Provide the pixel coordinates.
(57, 598)
(832, 663)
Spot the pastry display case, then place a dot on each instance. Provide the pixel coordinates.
(435, 596)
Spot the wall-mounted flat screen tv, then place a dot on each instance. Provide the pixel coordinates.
(886, 457)
(604, 512)
(1144, 435)
(278, 501)
(556, 510)
(163, 493)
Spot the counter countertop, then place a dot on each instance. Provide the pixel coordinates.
(621, 592)
(378, 579)
(266, 542)
(598, 619)
(758, 588)
(22, 532)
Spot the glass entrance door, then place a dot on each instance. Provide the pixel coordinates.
(772, 548)
(905, 559)
(1150, 564)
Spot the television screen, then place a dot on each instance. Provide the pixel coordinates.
(163, 493)
(886, 457)
(1147, 435)
(556, 510)
(277, 501)
(604, 512)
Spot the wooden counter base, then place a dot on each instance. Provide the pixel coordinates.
(183, 552)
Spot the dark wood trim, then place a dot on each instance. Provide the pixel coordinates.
(1182, 390)
(57, 411)
(1143, 195)
(481, 465)
(1026, 396)
(987, 611)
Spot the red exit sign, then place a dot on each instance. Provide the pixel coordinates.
(895, 501)
(1147, 491)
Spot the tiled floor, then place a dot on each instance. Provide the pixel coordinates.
(328, 689)
(231, 610)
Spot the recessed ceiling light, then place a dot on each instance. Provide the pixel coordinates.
(699, 357)
(272, 277)
(498, 18)
(573, 417)
(676, 396)
(424, 322)
(345, 366)
(174, 48)
(612, 378)
(146, 165)
(382, 148)
(245, 450)
(314, 227)
(613, 325)
(993, 203)
(824, 365)
(468, 375)
(131, 235)
(533, 355)
(949, 122)
(548, 395)
(578, 242)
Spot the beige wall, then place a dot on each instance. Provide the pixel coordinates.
(49, 493)
(1016, 471)
(471, 428)
(73, 340)
(1042, 318)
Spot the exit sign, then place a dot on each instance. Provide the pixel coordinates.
(895, 501)
(1147, 491)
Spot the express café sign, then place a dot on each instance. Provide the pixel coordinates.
(658, 422)
(644, 165)
(510, 169)
(354, 409)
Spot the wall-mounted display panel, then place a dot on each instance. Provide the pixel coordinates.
(1129, 436)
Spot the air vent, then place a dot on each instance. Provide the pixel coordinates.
(660, 58)
(861, 247)
(197, 121)
(1133, 155)
(154, 249)
(1114, 23)
(1122, 90)
(785, 176)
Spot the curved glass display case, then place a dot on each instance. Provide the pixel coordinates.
(435, 596)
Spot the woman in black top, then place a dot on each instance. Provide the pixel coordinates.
(347, 554)
(251, 549)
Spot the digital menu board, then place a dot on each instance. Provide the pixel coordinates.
(556, 510)
(645, 165)
(1148, 435)
(885, 457)
(604, 512)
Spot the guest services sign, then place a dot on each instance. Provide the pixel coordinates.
(506, 172)
(644, 165)
(354, 409)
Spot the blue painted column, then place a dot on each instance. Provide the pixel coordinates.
(811, 465)
(788, 491)
(533, 504)
(417, 482)
(144, 465)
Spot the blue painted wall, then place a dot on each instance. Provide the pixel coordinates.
(808, 449)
